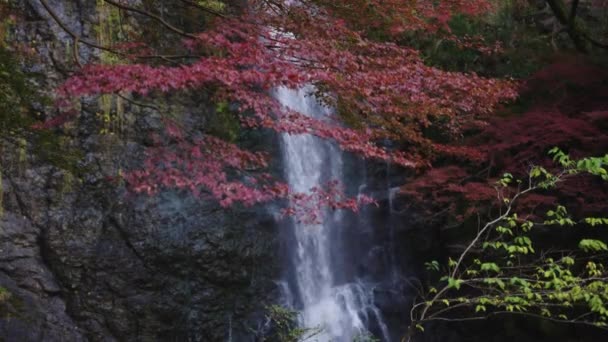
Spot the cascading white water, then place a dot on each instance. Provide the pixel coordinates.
(340, 310)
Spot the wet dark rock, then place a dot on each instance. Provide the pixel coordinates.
(82, 259)
(33, 311)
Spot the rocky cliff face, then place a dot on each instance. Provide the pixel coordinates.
(81, 259)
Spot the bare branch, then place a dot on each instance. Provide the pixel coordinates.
(203, 8)
(152, 16)
(76, 37)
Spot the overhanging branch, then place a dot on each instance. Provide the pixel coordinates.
(152, 16)
(76, 37)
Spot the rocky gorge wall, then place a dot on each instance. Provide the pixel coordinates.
(81, 259)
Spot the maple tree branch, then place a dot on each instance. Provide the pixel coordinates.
(137, 103)
(203, 8)
(527, 314)
(152, 16)
(487, 226)
(169, 58)
(76, 37)
(75, 52)
(479, 235)
(78, 40)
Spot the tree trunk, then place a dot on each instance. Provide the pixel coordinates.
(569, 21)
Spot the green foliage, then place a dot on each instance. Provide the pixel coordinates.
(432, 266)
(224, 123)
(215, 5)
(596, 221)
(18, 138)
(15, 92)
(524, 48)
(490, 267)
(109, 30)
(11, 305)
(454, 283)
(509, 275)
(365, 337)
(285, 325)
(590, 245)
(559, 217)
(4, 294)
(506, 179)
(592, 165)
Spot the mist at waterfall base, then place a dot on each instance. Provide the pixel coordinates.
(324, 280)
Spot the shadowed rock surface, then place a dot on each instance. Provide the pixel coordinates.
(82, 259)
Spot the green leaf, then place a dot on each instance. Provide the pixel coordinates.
(590, 245)
(535, 172)
(454, 283)
(495, 281)
(527, 226)
(596, 221)
(490, 267)
(432, 266)
(568, 260)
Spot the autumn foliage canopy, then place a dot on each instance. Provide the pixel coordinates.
(354, 52)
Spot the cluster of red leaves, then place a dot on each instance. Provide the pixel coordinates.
(202, 163)
(308, 206)
(570, 114)
(204, 166)
(397, 16)
(387, 87)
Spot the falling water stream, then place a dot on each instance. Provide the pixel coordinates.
(342, 309)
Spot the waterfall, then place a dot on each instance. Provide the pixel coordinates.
(341, 309)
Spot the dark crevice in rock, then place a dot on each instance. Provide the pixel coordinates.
(20, 201)
(113, 222)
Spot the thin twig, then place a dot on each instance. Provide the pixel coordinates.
(204, 9)
(77, 38)
(152, 16)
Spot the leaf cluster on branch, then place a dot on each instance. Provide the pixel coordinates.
(503, 270)
(244, 54)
